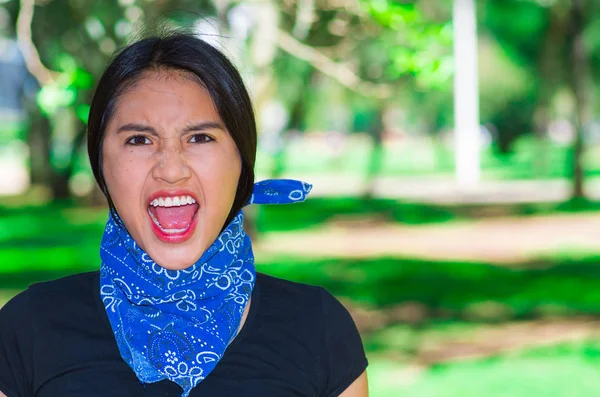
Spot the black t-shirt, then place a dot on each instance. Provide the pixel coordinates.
(298, 340)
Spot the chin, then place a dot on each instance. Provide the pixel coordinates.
(174, 263)
(177, 256)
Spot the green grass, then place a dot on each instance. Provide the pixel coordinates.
(319, 210)
(564, 370)
(455, 289)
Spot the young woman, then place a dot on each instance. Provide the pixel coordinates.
(177, 308)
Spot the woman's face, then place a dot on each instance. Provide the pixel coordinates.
(171, 167)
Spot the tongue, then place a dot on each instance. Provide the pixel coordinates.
(174, 217)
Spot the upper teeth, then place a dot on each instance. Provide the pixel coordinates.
(172, 201)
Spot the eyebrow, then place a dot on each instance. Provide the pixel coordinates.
(196, 127)
(136, 128)
(207, 125)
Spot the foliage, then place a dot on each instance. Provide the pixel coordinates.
(423, 48)
(67, 90)
(404, 46)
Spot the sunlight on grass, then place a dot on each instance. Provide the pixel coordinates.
(563, 370)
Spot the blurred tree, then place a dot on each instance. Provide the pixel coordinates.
(568, 33)
(364, 46)
(387, 46)
(378, 53)
(510, 56)
(76, 39)
(466, 94)
(58, 130)
(579, 82)
(552, 68)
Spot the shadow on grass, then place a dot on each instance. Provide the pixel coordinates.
(446, 290)
(455, 290)
(316, 211)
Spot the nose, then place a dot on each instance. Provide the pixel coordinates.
(171, 166)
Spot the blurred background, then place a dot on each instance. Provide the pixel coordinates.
(454, 149)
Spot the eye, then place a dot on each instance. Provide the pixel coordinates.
(138, 140)
(201, 138)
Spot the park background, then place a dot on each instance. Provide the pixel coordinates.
(464, 280)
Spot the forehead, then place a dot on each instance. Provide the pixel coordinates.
(165, 97)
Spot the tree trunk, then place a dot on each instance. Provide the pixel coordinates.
(376, 131)
(61, 178)
(39, 144)
(551, 68)
(295, 123)
(579, 82)
(466, 94)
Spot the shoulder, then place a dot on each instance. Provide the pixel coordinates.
(15, 346)
(14, 314)
(65, 285)
(287, 307)
(64, 290)
(315, 316)
(38, 315)
(48, 292)
(300, 296)
(54, 298)
(297, 298)
(274, 287)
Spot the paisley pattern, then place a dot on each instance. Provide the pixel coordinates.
(176, 324)
(270, 191)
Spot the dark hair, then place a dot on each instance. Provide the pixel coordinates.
(178, 52)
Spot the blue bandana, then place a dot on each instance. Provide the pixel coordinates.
(176, 324)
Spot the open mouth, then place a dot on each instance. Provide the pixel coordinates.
(173, 217)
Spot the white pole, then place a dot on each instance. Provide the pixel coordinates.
(466, 94)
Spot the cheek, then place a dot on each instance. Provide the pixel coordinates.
(112, 173)
(120, 178)
(231, 174)
(221, 182)
(220, 177)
